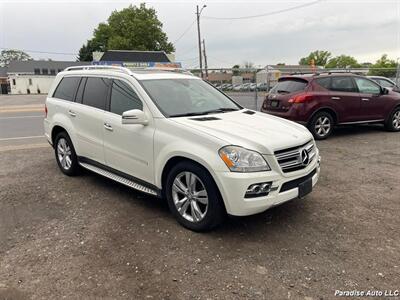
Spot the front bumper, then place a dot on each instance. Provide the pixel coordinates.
(233, 187)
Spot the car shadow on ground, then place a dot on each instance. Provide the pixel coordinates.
(356, 130)
(287, 214)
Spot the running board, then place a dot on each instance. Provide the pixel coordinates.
(119, 179)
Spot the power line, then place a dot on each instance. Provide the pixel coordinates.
(38, 51)
(265, 14)
(184, 33)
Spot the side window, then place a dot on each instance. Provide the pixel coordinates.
(324, 82)
(79, 93)
(123, 98)
(66, 88)
(96, 91)
(343, 84)
(367, 86)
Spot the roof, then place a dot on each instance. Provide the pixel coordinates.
(29, 66)
(140, 74)
(3, 71)
(135, 56)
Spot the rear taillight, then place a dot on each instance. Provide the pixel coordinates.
(45, 110)
(265, 104)
(301, 98)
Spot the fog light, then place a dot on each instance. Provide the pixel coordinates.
(258, 190)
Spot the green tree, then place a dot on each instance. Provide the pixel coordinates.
(383, 67)
(320, 58)
(12, 54)
(342, 61)
(235, 70)
(133, 28)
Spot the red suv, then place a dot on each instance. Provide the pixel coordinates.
(322, 101)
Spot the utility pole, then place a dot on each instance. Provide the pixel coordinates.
(205, 59)
(198, 12)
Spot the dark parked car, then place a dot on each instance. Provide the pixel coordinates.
(322, 101)
(385, 82)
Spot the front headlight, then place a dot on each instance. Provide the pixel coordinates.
(239, 159)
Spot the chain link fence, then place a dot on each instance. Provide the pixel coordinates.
(251, 85)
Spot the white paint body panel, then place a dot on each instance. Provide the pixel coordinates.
(143, 151)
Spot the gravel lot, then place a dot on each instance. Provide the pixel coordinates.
(88, 237)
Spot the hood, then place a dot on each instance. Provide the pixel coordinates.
(259, 131)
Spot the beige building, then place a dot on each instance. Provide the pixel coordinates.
(35, 77)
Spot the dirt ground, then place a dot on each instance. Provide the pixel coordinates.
(88, 237)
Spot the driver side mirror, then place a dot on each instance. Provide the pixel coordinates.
(385, 91)
(134, 116)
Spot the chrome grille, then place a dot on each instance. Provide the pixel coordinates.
(293, 159)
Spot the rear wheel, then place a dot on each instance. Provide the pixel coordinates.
(65, 154)
(193, 197)
(321, 125)
(393, 122)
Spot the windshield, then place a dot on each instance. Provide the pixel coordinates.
(184, 97)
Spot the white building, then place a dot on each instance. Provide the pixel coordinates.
(35, 77)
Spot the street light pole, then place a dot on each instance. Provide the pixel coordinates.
(205, 59)
(199, 38)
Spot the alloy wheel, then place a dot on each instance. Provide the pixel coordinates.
(190, 196)
(64, 154)
(323, 126)
(396, 120)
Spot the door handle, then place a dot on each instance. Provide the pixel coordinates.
(365, 99)
(72, 113)
(108, 127)
(335, 98)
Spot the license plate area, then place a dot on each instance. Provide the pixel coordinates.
(305, 188)
(274, 103)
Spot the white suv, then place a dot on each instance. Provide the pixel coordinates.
(173, 135)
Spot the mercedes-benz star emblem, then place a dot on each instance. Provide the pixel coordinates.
(305, 159)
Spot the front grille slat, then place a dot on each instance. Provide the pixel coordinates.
(290, 159)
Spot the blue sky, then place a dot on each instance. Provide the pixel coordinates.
(364, 29)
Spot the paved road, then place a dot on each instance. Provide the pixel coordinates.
(21, 118)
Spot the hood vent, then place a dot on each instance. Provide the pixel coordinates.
(249, 112)
(205, 119)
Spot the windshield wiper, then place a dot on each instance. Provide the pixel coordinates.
(217, 110)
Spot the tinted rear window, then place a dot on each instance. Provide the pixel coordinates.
(343, 84)
(66, 88)
(96, 91)
(289, 86)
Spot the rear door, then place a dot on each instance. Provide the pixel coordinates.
(64, 95)
(372, 100)
(344, 93)
(285, 89)
(90, 117)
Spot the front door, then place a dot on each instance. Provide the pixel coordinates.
(372, 100)
(128, 148)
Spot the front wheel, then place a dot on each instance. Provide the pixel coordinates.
(393, 122)
(193, 197)
(321, 125)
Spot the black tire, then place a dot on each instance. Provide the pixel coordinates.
(72, 168)
(317, 120)
(215, 212)
(393, 122)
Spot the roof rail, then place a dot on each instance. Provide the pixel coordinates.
(127, 70)
(100, 67)
(305, 73)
